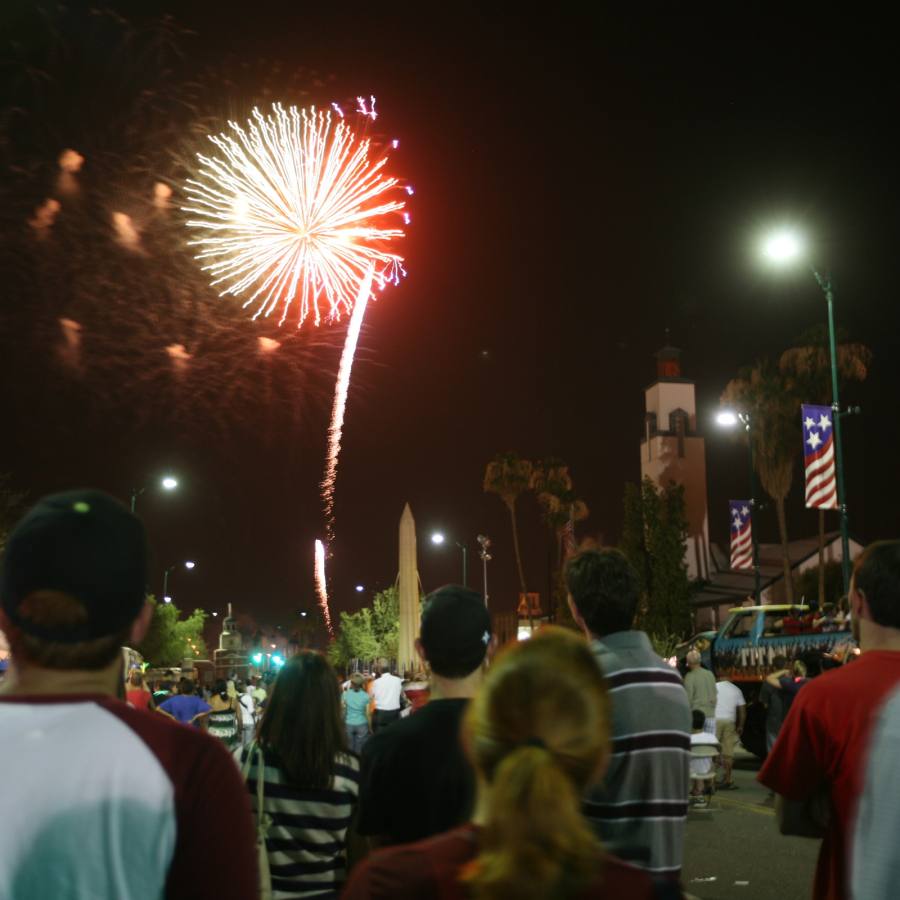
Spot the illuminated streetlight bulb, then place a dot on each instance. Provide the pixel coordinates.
(782, 247)
(437, 538)
(169, 483)
(167, 599)
(359, 589)
(190, 564)
(726, 418)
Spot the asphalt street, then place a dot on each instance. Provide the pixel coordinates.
(735, 850)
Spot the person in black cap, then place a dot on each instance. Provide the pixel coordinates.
(116, 802)
(415, 779)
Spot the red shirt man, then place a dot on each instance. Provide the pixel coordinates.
(822, 745)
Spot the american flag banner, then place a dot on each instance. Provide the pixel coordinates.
(818, 456)
(741, 535)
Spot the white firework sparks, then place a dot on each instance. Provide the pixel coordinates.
(295, 211)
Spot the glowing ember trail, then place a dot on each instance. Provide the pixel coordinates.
(342, 386)
(322, 586)
(296, 209)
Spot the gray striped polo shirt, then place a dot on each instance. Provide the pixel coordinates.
(640, 808)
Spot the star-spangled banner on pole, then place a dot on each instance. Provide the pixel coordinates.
(741, 534)
(818, 456)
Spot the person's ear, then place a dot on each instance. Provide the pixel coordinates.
(141, 624)
(421, 651)
(859, 604)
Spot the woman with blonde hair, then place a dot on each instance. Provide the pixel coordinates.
(537, 735)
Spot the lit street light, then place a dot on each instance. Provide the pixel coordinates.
(168, 483)
(167, 599)
(727, 418)
(359, 589)
(437, 538)
(782, 248)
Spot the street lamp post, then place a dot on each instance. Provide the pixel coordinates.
(437, 538)
(781, 248)
(168, 483)
(484, 542)
(189, 564)
(728, 419)
(825, 284)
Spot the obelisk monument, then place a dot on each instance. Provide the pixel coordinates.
(408, 583)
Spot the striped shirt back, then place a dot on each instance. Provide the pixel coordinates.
(307, 840)
(640, 808)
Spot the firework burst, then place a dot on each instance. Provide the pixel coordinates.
(296, 210)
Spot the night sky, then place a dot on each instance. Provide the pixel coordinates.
(583, 183)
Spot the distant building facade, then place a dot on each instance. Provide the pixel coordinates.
(673, 451)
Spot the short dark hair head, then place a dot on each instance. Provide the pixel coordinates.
(877, 577)
(74, 569)
(185, 686)
(780, 662)
(455, 631)
(604, 588)
(698, 719)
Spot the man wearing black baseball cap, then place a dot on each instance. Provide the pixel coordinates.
(111, 802)
(415, 780)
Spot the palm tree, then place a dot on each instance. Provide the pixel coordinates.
(551, 482)
(509, 476)
(769, 396)
(809, 365)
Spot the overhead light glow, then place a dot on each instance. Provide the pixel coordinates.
(170, 483)
(437, 538)
(726, 418)
(782, 247)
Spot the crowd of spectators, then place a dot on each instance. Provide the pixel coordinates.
(561, 766)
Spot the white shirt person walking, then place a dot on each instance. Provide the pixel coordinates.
(387, 692)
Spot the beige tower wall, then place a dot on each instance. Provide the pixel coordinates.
(661, 463)
(665, 397)
(408, 585)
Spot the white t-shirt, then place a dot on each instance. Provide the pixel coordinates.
(248, 708)
(386, 692)
(728, 699)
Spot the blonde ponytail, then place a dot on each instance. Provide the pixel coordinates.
(536, 842)
(538, 733)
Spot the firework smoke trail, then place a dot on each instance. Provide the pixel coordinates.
(341, 387)
(322, 586)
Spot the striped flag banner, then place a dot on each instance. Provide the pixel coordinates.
(741, 534)
(818, 456)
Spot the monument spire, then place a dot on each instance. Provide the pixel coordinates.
(408, 582)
